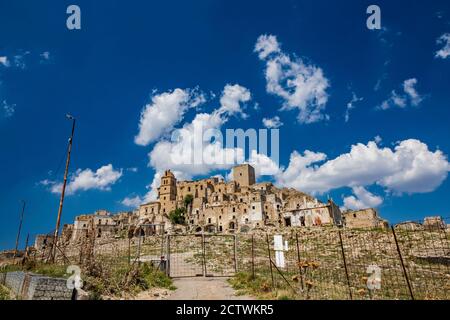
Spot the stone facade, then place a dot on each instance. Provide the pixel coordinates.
(434, 223)
(241, 204)
(210, 205)
(366, 218)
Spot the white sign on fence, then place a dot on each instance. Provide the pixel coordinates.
(279, 250)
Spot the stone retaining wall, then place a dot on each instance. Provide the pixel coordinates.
(30, 286)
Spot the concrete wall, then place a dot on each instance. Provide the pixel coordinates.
(30, 286)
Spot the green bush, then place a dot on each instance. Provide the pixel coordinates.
(4, 293)
(177, 216)
(152, 278)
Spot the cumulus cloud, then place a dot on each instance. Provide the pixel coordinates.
(165, 111)
(301, 86)
(83, 180)
(444, 52)
(408, 168)
(266, 45)
(188, 151)
(272, 123)
(188, 154)
(410, 96)
(264, 165)
(362, 199)
(132, 202)
(351, 105)
(231, 99)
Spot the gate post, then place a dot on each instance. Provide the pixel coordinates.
(298, 261)
(270, 261)
(235, 255)
(204, 256)
(253, 257)
(168, 256)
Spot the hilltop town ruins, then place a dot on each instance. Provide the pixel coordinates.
(214, 206)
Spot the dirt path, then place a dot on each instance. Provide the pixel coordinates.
(204, 289)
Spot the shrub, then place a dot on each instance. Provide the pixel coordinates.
(177, 216)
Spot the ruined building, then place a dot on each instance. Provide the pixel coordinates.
(237, 205)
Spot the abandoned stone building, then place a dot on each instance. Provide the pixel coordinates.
(366, 218)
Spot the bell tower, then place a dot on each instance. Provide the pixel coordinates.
(167, 192)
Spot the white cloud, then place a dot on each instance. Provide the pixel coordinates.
(132, 202)
(266, 45)
(408, 168)
(444, 52)
(4, 61)
(351, 105)
(180, 154)
(132, 169)
(264, 166)
(164, 112)
(411, 92)
(231, 99)
(83, 180)
(362, 199)
(19, 60)
(302, 86)
(45, 55)
(378, 140)
(8, 109)
(410, 96)
(272, 123)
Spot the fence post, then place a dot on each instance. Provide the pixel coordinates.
(204, 255)
(253, 257)
(345, 266)
(298, 261)
(403, 265)
(270, 260)
(235, 254)
(168, 255)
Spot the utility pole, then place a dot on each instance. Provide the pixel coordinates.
(20, 228)
(61, 201)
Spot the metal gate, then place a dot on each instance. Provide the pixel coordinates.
(201, 255)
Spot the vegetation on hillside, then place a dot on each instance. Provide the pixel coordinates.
(4, 293)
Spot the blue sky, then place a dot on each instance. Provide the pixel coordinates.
(128, 54)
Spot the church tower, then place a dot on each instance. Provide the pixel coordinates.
(167, 192)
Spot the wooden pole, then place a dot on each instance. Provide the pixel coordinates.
(61, 201)
(20, 228)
